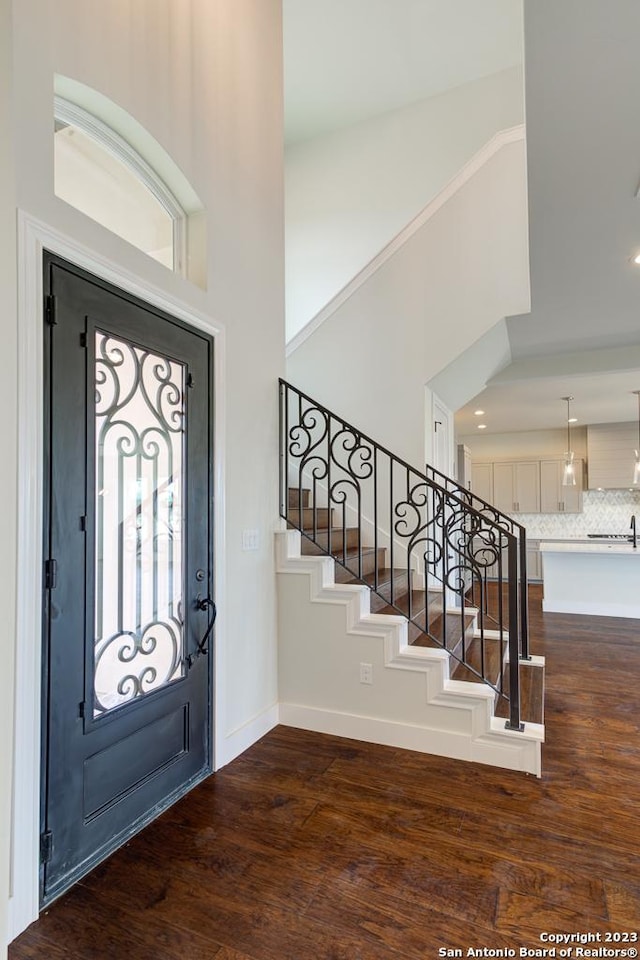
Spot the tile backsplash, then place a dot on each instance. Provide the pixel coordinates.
(605, 511)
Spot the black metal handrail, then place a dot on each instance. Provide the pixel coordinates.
(430, 549)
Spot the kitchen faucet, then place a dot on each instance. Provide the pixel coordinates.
(632, 526)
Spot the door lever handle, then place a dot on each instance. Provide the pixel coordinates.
(203, 603)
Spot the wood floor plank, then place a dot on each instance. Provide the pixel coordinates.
(410, 928)
(77, 922)
(526, 916)
(623, 904)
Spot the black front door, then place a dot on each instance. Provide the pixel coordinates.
(127, 571)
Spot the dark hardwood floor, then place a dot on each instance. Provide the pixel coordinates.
(309, 847)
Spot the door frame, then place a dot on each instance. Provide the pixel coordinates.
(34, 237)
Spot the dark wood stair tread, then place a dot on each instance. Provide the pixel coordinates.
(311, 518)
(294, 494)
(493, 657)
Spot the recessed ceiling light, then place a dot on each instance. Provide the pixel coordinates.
(482, 426)
(572, 420)
(478, 413)
(636, 259)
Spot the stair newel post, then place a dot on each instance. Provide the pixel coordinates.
(513, 723)
(524, 597)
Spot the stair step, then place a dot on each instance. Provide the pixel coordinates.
(493, 657)
(346, 573)
(337, 540)
(401, 605)
(307, 517)
(294, 495)
(531, 693)
(456, 628)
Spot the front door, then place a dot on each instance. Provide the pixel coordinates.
(127, 568)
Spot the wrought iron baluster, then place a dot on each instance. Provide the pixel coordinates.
(500, 602)
(329, 488)
(375, 520)
(391, 530)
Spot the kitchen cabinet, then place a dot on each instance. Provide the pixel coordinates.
(482, 480)
(534, 561)
(610, 455)
(554, 497)
(516, 486)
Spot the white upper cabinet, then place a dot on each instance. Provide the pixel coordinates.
(482, 481)
(554, 497)
(516, 486)
(610, 455)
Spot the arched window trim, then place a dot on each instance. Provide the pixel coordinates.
(70, 113)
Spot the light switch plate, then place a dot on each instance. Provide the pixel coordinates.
(250, 539)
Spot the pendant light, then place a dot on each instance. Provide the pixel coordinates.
(636, 465)
(569, 469)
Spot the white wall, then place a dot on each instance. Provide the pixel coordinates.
(205, 79)
(463, 271)
(8, 401)
(350, 192)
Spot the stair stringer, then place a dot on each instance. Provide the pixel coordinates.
(326, 630)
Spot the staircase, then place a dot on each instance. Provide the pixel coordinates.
(414, 555)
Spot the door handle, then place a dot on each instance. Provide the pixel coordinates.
(203, 603)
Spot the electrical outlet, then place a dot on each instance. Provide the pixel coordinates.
(366, 673)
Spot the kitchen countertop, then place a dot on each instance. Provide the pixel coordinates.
(599, 547)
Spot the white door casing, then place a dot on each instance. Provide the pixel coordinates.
(33, 238)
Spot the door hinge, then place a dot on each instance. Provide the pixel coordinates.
(190, 381)
(50, 310)
(82, 709)
(83, 523)
(83, 340)
(50, 574)
(46, 846)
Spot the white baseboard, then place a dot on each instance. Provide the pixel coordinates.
(231, 745)
(597, 609)
(458, 746)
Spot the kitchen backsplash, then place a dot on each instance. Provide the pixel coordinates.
(605, 511)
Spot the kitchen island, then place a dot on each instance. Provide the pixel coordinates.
(602, 578)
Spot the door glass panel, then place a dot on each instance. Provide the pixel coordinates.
(139, 565)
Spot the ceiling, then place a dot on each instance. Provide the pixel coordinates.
(537, 404)
(348, 60)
